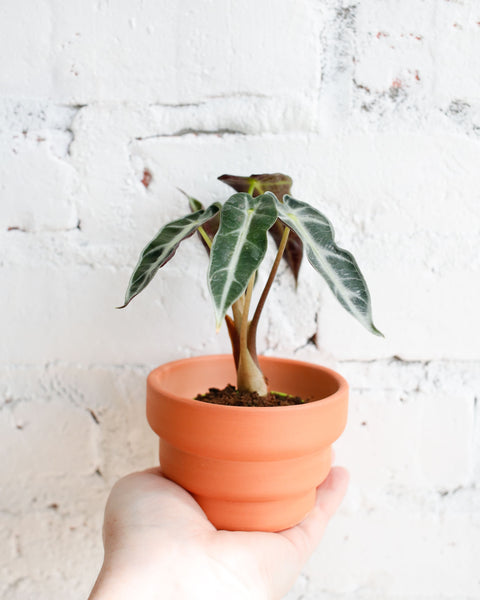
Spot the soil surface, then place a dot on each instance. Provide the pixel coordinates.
(232, 397)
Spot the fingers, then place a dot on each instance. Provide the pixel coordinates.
(306, 536)
(332, 491)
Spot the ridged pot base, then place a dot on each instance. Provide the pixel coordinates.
(257, 515)
(218, 486)
(249, 468)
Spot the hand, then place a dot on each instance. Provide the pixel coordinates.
(160, 545)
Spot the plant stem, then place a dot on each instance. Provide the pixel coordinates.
(234, 339)
(246, 307)
(249, 376)
(237, 309)
(205, 236)
(252, 330)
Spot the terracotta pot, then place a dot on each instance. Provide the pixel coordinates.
(249, 468)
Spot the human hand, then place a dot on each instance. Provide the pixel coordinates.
(160, 545)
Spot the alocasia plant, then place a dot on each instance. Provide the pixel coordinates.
(235, 235)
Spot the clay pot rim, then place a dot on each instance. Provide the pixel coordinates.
(313, 405)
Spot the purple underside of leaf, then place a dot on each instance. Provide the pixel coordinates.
(210, 227)
(277, 183)
(293, 252)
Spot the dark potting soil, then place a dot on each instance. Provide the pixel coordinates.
(233, 397)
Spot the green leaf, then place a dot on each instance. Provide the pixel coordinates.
(239, 247)
(195, 204)
(337, 266)
(279, 184)
(162, 248)
(210, 228)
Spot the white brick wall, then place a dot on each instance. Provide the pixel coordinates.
(374, 109)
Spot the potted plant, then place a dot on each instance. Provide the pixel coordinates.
(252, 458)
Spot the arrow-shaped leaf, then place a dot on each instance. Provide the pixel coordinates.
(239, 247)
(337, 266)
(279, 184)
(163, 246)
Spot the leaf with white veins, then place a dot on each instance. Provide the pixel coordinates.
(239, 247)
(210, 228)
(162, 248)
(337, 266)
(279, 184)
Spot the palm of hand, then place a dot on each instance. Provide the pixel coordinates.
(159, 544)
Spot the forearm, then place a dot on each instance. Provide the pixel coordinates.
(136, 584)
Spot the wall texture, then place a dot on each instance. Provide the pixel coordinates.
(373, 107)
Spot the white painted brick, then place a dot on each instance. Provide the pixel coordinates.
(240, 114)
(49, 439)
(413, 309)
(456, 44)
(75, 319)
(35, 574)
(82, 428)
(159, 51)
(95, 401)
(409, 441)
(426, 411)
(34, 157)
(394, 47)
(375, 551)
(31, 114)
(382, 184)
(381, 443)
(40, 453)
(28, 64)
(446, 449)
(394, 178)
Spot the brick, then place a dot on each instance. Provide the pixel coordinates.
(378, 548)
(71, 450)
(61, 305)
(176, 58)
(34, 156)
(72, 432)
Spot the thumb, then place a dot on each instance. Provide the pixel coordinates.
(306, 535)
